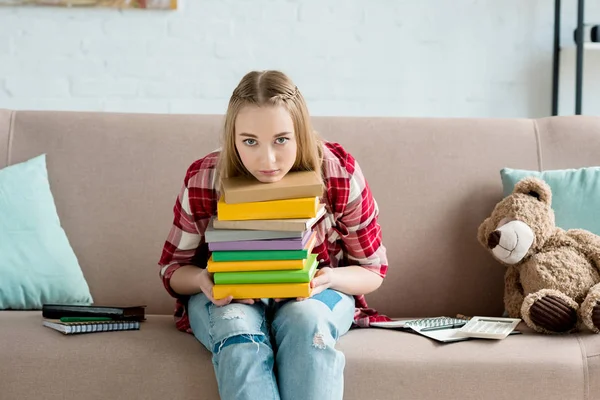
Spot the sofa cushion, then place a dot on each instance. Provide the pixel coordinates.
(156, 362)
(404, 365)
(575, 194)
(37, 263)
(159, 362)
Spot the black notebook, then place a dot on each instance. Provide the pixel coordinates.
(129, 313)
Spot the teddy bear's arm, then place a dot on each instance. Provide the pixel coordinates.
(513, 292)
(589, 242)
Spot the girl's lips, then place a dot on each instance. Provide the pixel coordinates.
(269, 172)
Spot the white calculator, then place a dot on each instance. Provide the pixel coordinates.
(488, 327)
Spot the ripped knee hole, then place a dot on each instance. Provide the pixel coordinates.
(257, 339)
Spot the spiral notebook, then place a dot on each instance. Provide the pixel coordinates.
(70, 328)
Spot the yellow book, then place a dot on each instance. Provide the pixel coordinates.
(282, 225)
(263, 290)
(306, 207)
(259, 265)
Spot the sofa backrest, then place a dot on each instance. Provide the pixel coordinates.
(115, 178)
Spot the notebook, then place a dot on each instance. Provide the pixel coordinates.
(70, 328)
(120, 312)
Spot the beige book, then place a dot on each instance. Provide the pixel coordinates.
(293, 185)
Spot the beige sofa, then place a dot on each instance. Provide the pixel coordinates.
(115, 177)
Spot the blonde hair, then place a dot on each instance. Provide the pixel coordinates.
(269, 88)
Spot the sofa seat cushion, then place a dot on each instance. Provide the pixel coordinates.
(394, 364)
(156, 362)
(159, 362)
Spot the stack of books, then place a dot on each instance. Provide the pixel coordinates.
(262, 239)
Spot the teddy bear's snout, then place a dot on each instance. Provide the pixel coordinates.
(511, 241)
(494, 239)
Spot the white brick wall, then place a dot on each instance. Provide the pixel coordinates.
(357, 57)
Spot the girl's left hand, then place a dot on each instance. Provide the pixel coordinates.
(322, 280)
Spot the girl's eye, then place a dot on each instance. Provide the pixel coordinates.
(250, 142)
(281, 140)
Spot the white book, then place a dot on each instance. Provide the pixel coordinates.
(213, 235)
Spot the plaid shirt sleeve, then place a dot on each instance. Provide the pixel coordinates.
(357, 216)
(192, 211)
(363, 243)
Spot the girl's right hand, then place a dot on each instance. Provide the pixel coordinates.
(206, 285)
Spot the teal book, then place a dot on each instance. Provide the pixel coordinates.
(282, 276)
(264, 255)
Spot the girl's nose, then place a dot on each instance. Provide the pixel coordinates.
(270, 155)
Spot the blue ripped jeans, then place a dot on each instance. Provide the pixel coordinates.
(278, 351)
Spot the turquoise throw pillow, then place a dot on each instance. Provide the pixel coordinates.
(37, 263)
(575, 194)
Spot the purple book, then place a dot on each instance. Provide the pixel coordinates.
(265, 244)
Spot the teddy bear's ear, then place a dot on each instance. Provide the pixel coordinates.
(536, 188)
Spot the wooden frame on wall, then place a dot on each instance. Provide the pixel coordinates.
(124, 4)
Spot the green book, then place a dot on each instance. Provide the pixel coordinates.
(258, 255)
(278, 276)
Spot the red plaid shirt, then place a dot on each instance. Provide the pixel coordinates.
(348, 234)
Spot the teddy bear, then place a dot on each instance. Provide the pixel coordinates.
(552, 278)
